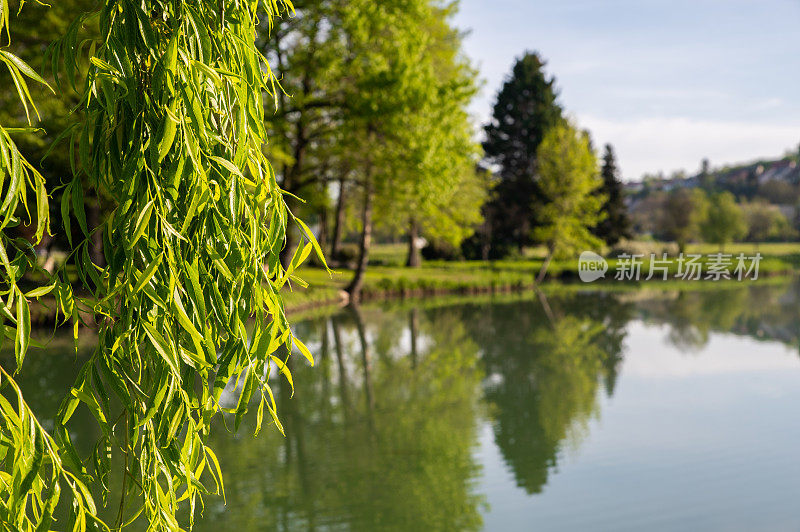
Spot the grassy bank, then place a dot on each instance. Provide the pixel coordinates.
(471, 277)
(387, 278)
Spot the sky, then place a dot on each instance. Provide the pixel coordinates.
(667, 82)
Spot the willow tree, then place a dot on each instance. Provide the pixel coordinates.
(32, 472)
(35, 28)
(170, 131)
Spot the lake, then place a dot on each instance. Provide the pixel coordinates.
(597, 410)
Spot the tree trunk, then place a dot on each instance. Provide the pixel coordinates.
(486, 244)
(292, 178)
(338, 228)
(287, 251)
(524, 231)
(414, 259)
(354, 289)
(288, 248)
(545, 264)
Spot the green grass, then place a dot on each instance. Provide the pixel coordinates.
(468, 277)
(771, 249)
(390, 277)
(397, 280)
(389, 254)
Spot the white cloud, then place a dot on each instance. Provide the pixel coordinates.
(667, 143)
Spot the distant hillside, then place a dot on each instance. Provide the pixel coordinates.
(767, 190)
(777, 181)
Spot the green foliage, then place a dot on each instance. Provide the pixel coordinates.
(766, 222)
(435, 184)
(615, 224)
(170, 132)
(685, 213)
(382, 440)
(568, 183)
(378, 102)
(392, 75)
(725, 221)
(32, 471)
(35, 28)
(525, 110)
(550, 357)
(310, 56)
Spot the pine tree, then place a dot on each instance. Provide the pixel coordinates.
(525, 110)
(615, 225)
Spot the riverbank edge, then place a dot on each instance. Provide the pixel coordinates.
(325, 298)
(565, 283)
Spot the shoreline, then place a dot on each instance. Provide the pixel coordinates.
(562, 283)
(385, 284)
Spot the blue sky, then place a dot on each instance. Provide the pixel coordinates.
(666, 82)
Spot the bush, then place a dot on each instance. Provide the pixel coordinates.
(347, 253)
(472, 249)
(439, 252)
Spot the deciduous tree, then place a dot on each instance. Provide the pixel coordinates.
(436, 191)
(568, 182)
(685, 212)
(392, 75)
(725, 222)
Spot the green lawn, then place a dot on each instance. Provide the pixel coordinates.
(771, 249)
(389, 254)
(438, 277)
(469, 277)
(433, 277)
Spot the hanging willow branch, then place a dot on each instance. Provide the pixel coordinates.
(32, 472)
(171, 137)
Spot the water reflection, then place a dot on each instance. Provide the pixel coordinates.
(760, 311)
(545, 375)
(380, 435)
(383, 433)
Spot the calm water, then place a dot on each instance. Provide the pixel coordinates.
(584, 411)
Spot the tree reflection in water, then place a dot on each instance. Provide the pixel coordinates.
(382, 433)
(380, 436)
(544, 374)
